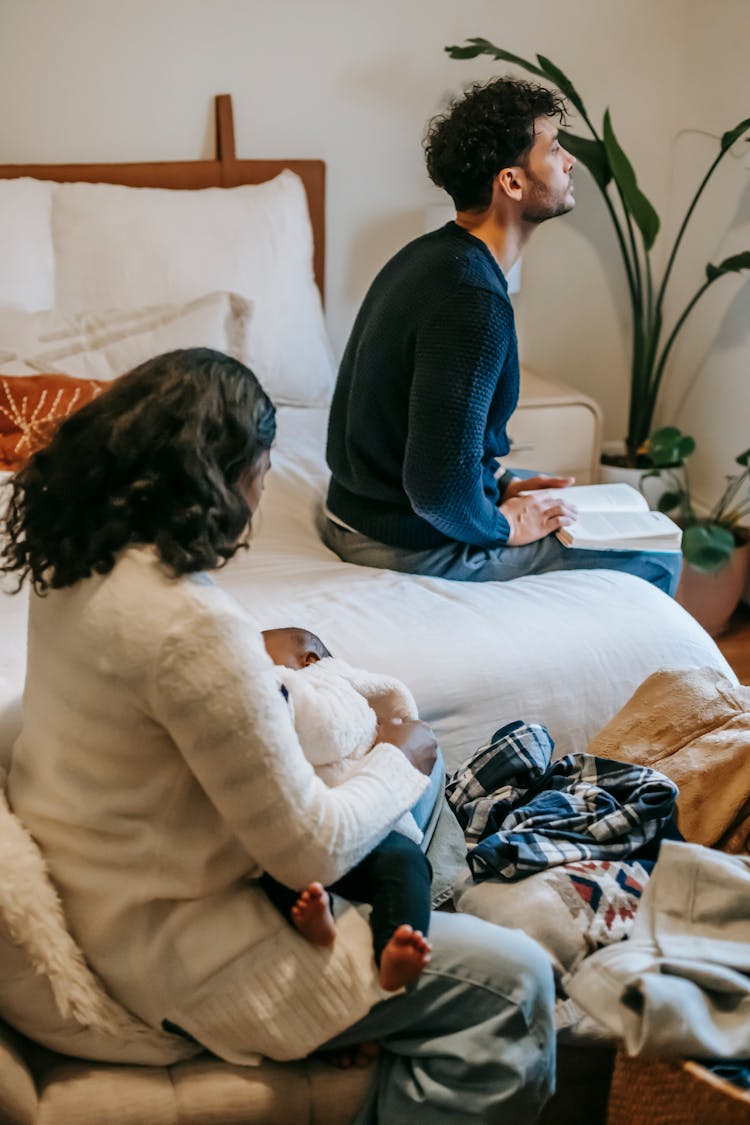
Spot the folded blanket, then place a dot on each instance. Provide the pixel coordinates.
(523, 815)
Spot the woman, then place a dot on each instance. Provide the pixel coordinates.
(160, 773)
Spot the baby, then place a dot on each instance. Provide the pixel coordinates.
(336, 710)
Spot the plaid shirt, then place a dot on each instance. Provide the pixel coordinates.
(520, 814)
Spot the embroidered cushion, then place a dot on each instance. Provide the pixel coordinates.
(30, 408)
(570, 910)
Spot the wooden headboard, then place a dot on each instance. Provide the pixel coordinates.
(225, 171)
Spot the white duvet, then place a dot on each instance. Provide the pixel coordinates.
(566, 650)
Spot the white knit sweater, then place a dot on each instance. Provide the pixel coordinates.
(159, 770)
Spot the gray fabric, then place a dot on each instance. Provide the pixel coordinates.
(446, 853)
(681, 984)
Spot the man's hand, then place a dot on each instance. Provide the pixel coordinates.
(534, 516)
(414, 739)
(531, 484)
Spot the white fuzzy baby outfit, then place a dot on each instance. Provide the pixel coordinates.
(336, 709)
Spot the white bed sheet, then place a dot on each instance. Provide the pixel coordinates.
(566, 650)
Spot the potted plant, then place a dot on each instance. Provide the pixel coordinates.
(636, 225)
(716, 546)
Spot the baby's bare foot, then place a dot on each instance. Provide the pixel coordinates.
(313, 917)
(403, 958)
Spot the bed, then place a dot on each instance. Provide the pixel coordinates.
(566, 650)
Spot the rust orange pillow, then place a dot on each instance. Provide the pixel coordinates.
(30, 408)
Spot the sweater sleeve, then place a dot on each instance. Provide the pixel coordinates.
(215, 693)
(459, 359)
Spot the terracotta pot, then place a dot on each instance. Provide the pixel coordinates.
(713, 598)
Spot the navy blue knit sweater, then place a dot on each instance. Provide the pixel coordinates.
(427, 383)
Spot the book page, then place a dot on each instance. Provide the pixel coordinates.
(612, 527)
(601, 497)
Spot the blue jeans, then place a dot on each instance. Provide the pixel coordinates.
(472, 1040)
(427, 809)
(465, 563)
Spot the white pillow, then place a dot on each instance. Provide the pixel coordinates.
(27, 270)
(121, 247)
(103, 345)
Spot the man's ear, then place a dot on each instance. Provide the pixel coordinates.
(508, 183)
(311, 658)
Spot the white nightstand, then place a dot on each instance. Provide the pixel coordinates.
(555, 429)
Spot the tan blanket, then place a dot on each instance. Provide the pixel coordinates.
(693, 726)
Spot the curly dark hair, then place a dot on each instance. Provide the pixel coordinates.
(162, 456)
(489, 128)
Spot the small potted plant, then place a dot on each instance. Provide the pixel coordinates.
(716, 546)
(636, 225)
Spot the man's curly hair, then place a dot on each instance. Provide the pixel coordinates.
(491, 127)
(162, 457)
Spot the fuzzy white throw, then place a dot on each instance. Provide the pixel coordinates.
(32, 919)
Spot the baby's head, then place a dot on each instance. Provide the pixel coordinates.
(293, 647)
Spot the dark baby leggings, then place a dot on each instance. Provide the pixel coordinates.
(394, 878)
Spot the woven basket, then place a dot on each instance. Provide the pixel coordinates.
(655, 1091)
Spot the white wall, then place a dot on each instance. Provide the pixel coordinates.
(355, 82)
(708, 393)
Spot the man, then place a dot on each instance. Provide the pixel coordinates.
(429, 377)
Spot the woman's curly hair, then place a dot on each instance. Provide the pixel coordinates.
(162, 457)
(491, 127)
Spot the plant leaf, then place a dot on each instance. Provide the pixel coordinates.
(464, 52)
(744, 458)
(669, 446)
(707, 547)
(734, 264)
(478, 46)
(563, 83)
(590, 153)
(733, 135)
(635, 201)
(669, 500)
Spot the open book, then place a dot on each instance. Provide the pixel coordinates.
(615, 517)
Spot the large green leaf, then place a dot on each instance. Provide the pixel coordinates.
(734, 264)
(591, 153)
(478, 46)
(744, 458)
(707, 547)
(464, 52)
(635, 201)
(733, 135)
(668, 501)
(669, 446)
(563, 83)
